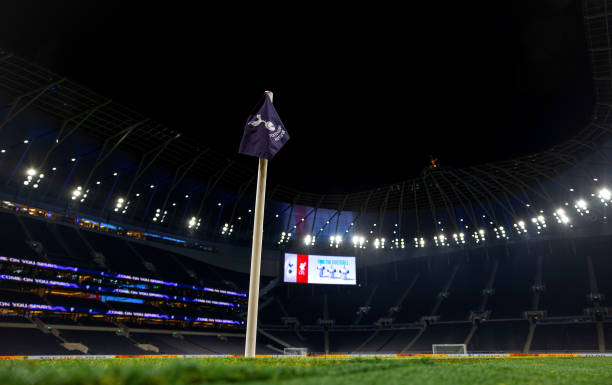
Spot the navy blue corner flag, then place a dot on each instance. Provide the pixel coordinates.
(264, 134)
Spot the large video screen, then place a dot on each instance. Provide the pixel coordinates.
(303, 268)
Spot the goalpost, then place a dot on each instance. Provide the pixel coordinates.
(449, 349)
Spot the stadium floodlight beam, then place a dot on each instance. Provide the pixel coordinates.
(604, 195)
(76, 192)
(419, 242)
(441, 240)
(520, 227)
(194, 223)
(581, 207)
(227, 229)
(122, 205)
(479, 236)
(459, 238)
(358, 241)
(159, 215)
(379, 243)
(31, 178)
(539, 222)
(335, 240)
(561, 216)
(310, 240)
(285, 237)
(500, 232)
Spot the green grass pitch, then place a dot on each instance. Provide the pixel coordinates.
(320, 371)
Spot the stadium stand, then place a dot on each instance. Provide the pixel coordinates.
(436, 309)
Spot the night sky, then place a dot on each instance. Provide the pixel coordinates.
(367, 93)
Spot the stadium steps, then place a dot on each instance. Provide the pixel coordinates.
(341, 341)
(275, 339)
(607, 326)
(527, 346)
(148, 265)
(414, 340)
(367, 341)
(218, 345)
(169, 344)
(398, 341)
(103, 342)
(62, 242)
(486, 294)
(32, 243)
(389, 336)
(98, 257)
(376, 343)
(601, 338)
(398, 305)
(366, 304)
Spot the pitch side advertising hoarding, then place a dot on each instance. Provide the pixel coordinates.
(321, 269)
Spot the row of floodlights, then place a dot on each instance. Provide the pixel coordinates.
(478, 236)
(33, 179)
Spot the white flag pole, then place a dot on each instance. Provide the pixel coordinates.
(260, 200)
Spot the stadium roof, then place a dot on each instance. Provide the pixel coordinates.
(436, 188)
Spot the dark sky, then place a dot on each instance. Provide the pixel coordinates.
(367, 93)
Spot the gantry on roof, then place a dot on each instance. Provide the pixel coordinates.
(98, 116)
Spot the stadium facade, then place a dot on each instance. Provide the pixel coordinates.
(123, 236)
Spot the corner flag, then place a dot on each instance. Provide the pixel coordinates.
(264, 134)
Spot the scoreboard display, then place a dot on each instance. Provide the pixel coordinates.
(321, 269)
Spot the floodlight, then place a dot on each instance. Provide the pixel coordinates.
(307, 239)
(561, 216)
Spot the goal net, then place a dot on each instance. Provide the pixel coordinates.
(296, 351)
(449, 349)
